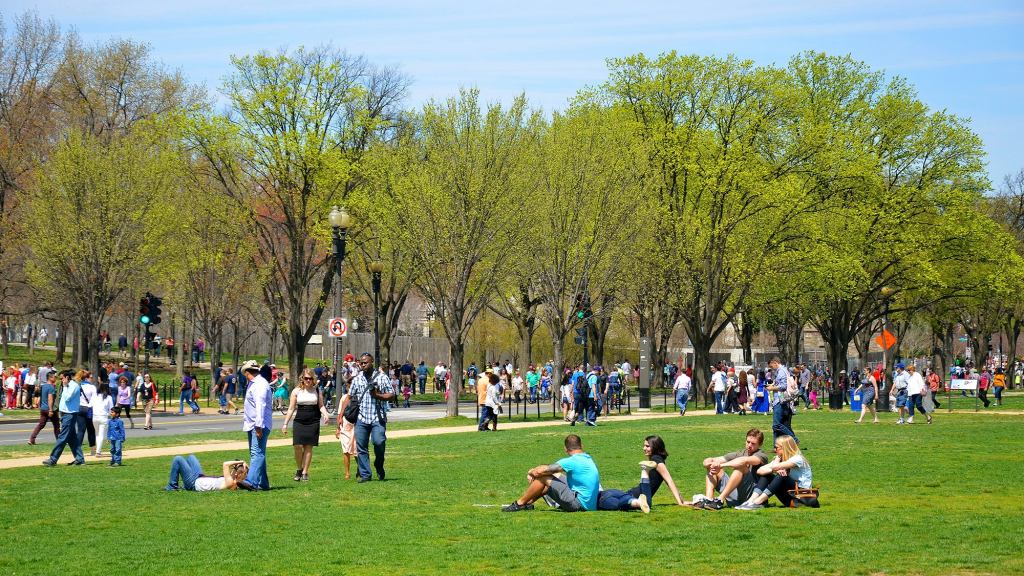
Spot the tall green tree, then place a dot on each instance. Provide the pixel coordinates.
(458, 204)
(96, 222)
(721, 170)
(290, 149)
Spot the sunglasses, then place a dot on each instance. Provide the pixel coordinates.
(306, 378)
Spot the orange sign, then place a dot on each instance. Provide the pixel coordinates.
(886, 340)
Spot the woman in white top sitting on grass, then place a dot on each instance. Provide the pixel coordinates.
(788, 471)
(192, 478)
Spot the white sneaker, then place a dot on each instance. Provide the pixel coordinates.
(648, 465)
(644, 506)
(910, 420)
(900, 421)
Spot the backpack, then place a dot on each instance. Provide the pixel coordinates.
(582, 386)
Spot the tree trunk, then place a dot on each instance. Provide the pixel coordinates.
(184, 348)
(838, 355)
(458, 350)
(597, 337)
(701, 370)
(385, 351)
(77, 353)
(31, 339)
(557, 343)
(271, 355)
(3, 337)
(747, 342)
(525, 346)
(1012, 331)
(215, 353)
(61, 343)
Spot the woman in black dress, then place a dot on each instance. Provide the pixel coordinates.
(306, 405)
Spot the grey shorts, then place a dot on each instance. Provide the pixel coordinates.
(560, 492)
(742, 493)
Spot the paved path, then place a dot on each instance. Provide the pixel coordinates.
(243, 446)
(328, 438)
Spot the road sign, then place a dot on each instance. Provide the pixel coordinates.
(886, 340)
(337, 327)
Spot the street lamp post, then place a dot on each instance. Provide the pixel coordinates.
(883, 399)
(340, 221)
(376, 267)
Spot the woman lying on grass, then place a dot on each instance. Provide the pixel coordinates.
(652, 473)
(788, 471)
(192, 477)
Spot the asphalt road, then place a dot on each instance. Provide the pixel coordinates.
(209, 421)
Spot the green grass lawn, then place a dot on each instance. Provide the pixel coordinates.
(919, 499)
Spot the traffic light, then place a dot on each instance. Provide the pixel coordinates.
(145, 310)
(154, 309)
(578, 307)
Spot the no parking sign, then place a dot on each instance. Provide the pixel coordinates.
(337, 327)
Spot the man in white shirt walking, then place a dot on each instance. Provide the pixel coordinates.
(916, 388)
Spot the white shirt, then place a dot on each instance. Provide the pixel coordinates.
(517, 382)
(101, 408)
(718, 378)
(88, 393)
(10, 382)
(626, 368)
(915, 384)
(209, 483)
(682, 382)
(30, 380)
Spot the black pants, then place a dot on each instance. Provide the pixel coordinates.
(778, 486)
(88, 428)
(983, 396)
(935, 399)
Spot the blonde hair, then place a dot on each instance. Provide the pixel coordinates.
(307, 373)
(789, 447)
(81, 375)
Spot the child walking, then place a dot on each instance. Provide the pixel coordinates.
(115, 433)
(406, 392)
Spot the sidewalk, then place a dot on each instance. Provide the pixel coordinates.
(242, 446)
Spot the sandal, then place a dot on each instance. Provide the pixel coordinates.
(298, 475)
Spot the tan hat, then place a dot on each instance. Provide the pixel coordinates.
(250, 365)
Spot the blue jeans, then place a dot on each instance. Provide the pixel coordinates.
(258, 460)
(782, 421)
(423, 384)
(364, 434)
(186, 396)
(187, 467)
(719, 408)
(115, 451)
(485, 416)
(682, 398)
(619, 500)
(69, 423)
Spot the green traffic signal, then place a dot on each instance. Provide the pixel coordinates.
(580, 314)
(144, 320)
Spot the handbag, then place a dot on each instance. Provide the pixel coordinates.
(351, 412)
(804, 497)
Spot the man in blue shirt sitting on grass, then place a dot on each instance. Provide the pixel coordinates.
(571, 484)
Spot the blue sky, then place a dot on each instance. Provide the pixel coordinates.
(966, 57)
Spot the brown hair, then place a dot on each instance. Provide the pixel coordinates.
(755, 433)
(573, 442)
